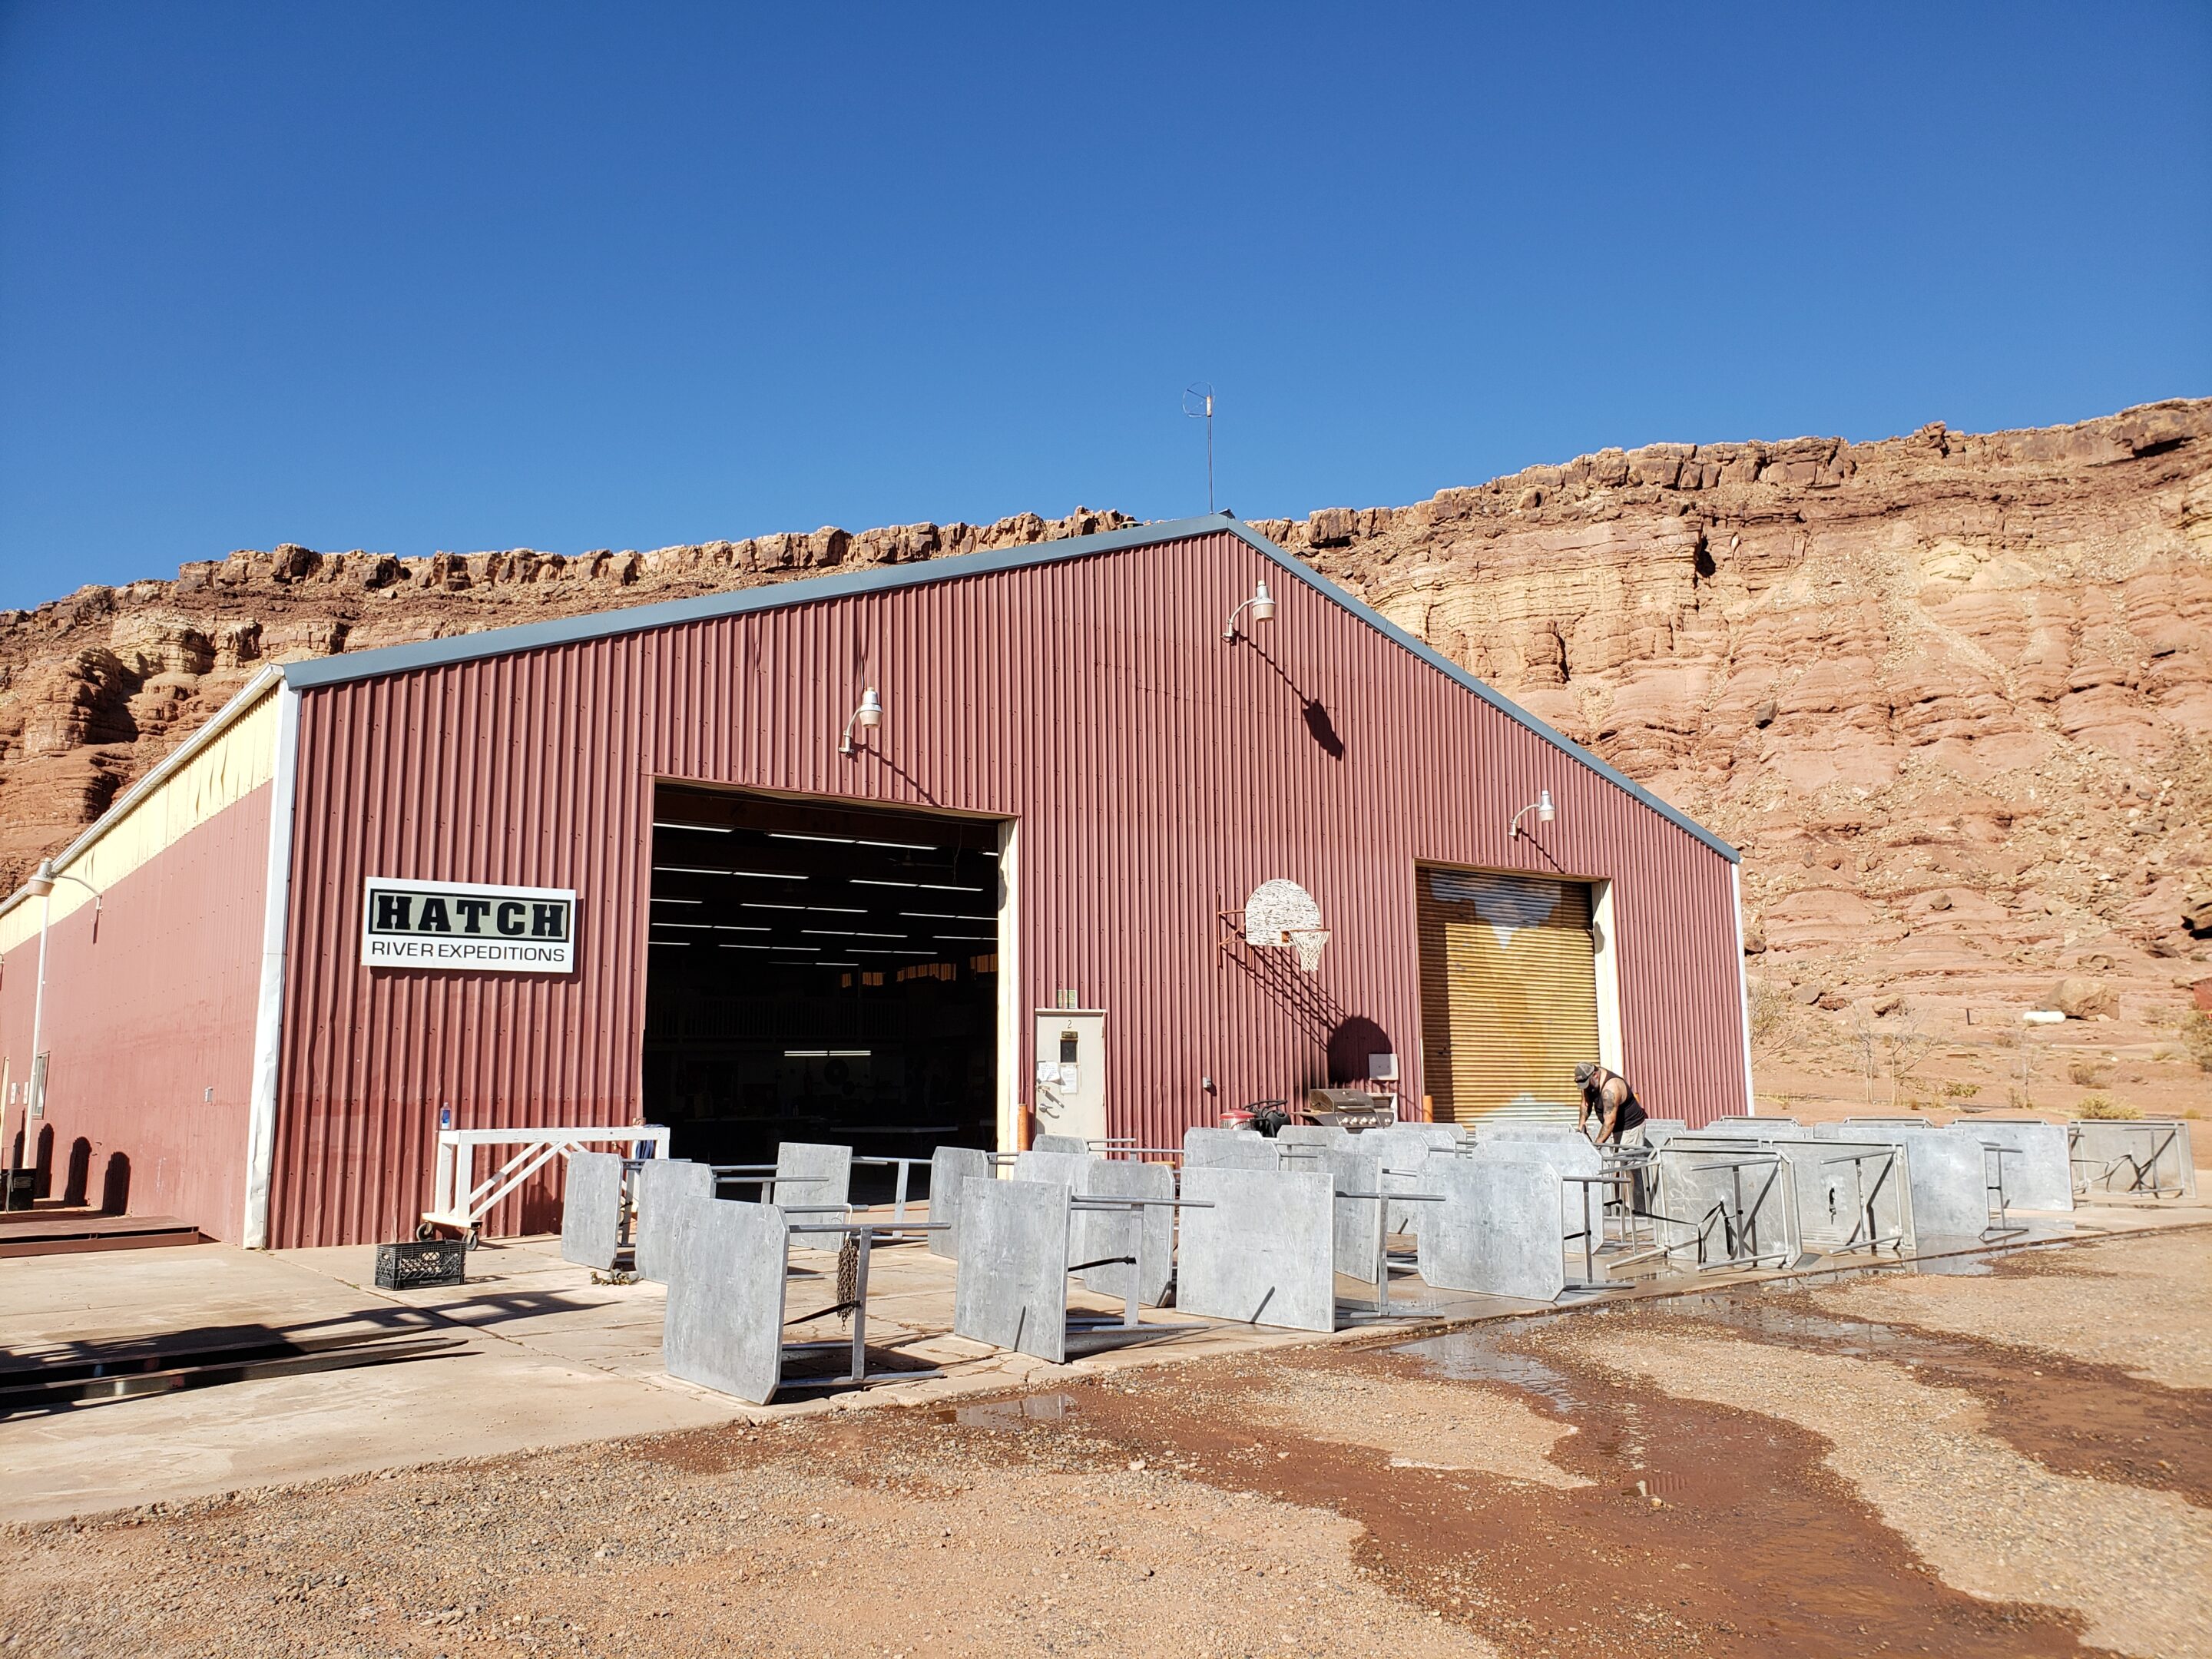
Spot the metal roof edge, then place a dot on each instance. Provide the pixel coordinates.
(321, 671)
(707, 607)
(217, 723)
(1444, 665)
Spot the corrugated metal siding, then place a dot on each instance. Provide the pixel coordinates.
(144, 1020)
(1159, 774)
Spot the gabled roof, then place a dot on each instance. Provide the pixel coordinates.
(633, 619)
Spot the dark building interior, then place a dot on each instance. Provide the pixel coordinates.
(820, 972)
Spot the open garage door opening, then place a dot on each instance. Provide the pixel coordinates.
(820, 972)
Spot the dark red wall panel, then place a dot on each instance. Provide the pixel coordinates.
(143, 1020)
(1156, 774)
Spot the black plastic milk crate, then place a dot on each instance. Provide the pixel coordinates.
(420, 1265)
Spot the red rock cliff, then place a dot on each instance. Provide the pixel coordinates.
(1952, 693)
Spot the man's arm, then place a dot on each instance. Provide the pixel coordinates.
(1614, 1096)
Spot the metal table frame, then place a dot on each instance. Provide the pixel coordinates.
(1864, 1201)
(1381, 1308)
(459, 1200)
(2001, 1225)
(2164, 1137)
(1730, 1216)
(1131, 1306)
(865, 1232)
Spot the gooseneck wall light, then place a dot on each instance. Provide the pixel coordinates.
(1541, 806)
(1261, 605)
(869, 715)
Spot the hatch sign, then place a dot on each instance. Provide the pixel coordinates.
(459, 925)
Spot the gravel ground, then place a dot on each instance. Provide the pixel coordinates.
(2136, 1564)
(1425, 1425)
(1735, 1475)
(814, 1542)
(2143, 1304)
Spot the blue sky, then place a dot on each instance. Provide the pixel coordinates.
(410, 277)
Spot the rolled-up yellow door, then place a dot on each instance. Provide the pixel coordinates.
(1509, 993)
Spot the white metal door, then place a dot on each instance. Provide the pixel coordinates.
(1071, 1073)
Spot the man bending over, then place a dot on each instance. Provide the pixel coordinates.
(1612, 1116)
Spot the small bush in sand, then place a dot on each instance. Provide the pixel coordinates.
(2105, 1106)
(2196, 1037)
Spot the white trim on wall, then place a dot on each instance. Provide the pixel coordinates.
(268, 1006)
(1605, 960)
(1743, 991)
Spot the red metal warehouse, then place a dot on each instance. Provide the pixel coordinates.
(1022, 889)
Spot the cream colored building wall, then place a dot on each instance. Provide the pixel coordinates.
(232, 765)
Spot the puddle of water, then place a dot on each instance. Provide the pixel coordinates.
(1479, 1356)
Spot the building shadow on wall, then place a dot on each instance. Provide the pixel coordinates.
(77, 1179)
(1351, 1046)
(115, 1186)
(42, 1170)
(1319, 726)
(1345, 1040)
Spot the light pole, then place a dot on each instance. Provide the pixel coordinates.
(41, 886)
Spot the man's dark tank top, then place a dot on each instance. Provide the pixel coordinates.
(1632, 1114)
(1631, 1109)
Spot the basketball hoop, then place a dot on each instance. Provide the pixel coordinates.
(1281, 916)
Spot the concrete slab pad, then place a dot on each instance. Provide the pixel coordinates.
(1098, 1234)
(656, 1190)
(591, 1210)
(1355, 1220)
(513, 1384)
(948, 1167)
(1230, 1149)
(2037, 1174)
(1066, 1168)
(809, 1172)
(1059, 1144)
(1264, 1253)
(1497, 1233)
(1949, 1173)
(1012, 1286)
(727, 1271)
(1314, 1134)
(1404, 1149)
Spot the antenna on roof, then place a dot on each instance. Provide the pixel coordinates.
(1198, 403)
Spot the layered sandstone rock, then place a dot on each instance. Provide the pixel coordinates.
(1952, 693)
